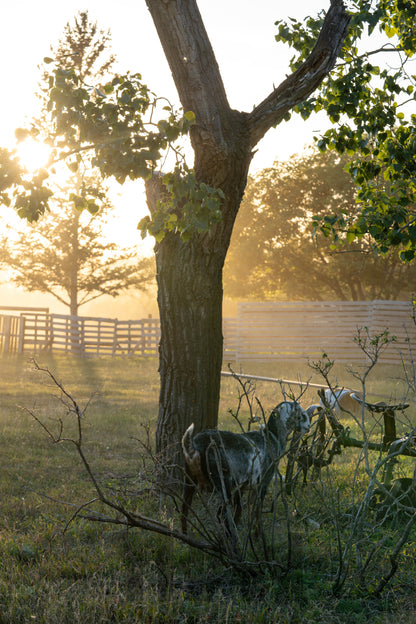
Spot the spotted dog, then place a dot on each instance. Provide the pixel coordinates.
(231, 462)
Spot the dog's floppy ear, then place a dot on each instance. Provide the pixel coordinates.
(273, 421)
(303, 419)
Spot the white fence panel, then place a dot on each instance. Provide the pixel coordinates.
(299, 330)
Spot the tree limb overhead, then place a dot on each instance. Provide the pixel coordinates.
(191, 58)
(299, 85)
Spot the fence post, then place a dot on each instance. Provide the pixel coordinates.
(7, 329)
(389, 428)
(142, 341)
(21, 341)
(114, 349)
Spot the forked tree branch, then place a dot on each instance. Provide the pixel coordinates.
(299, 85)
(198, 80)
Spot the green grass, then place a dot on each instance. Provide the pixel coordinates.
(53, 572)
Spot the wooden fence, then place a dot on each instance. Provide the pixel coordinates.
(261, 331)
(11, 334)
(79, 335)
(299, 330)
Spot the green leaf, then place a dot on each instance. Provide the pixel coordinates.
(159, 236)
(92, 207)
(350, 236)
(190, 116)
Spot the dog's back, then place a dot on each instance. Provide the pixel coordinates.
(214, 455)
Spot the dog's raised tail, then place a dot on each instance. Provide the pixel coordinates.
(189, 450)
(193, 459)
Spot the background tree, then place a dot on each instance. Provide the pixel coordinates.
(65, 253)
(85, 48)
(273, 254)
(191, 220)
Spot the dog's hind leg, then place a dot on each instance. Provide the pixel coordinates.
(237, 505)
(188, 494)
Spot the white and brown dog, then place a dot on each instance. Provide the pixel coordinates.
(343, 401)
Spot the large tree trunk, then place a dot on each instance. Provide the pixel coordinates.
(190, 301)
(190, 297)
(190, 274)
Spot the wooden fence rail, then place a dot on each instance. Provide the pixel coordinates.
(261, 331)
(299, 330)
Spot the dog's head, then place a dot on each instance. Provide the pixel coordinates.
(292, 416)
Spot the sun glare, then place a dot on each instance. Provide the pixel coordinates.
(33, 155)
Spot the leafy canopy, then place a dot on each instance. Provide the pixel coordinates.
(121, 124)
(369, 99)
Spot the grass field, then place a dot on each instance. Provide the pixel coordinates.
(56, 572)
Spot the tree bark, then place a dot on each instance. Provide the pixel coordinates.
(302, 83)
(189, 274)
(190, 295)
(190, 301)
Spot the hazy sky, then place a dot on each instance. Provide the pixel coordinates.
(242, 33)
